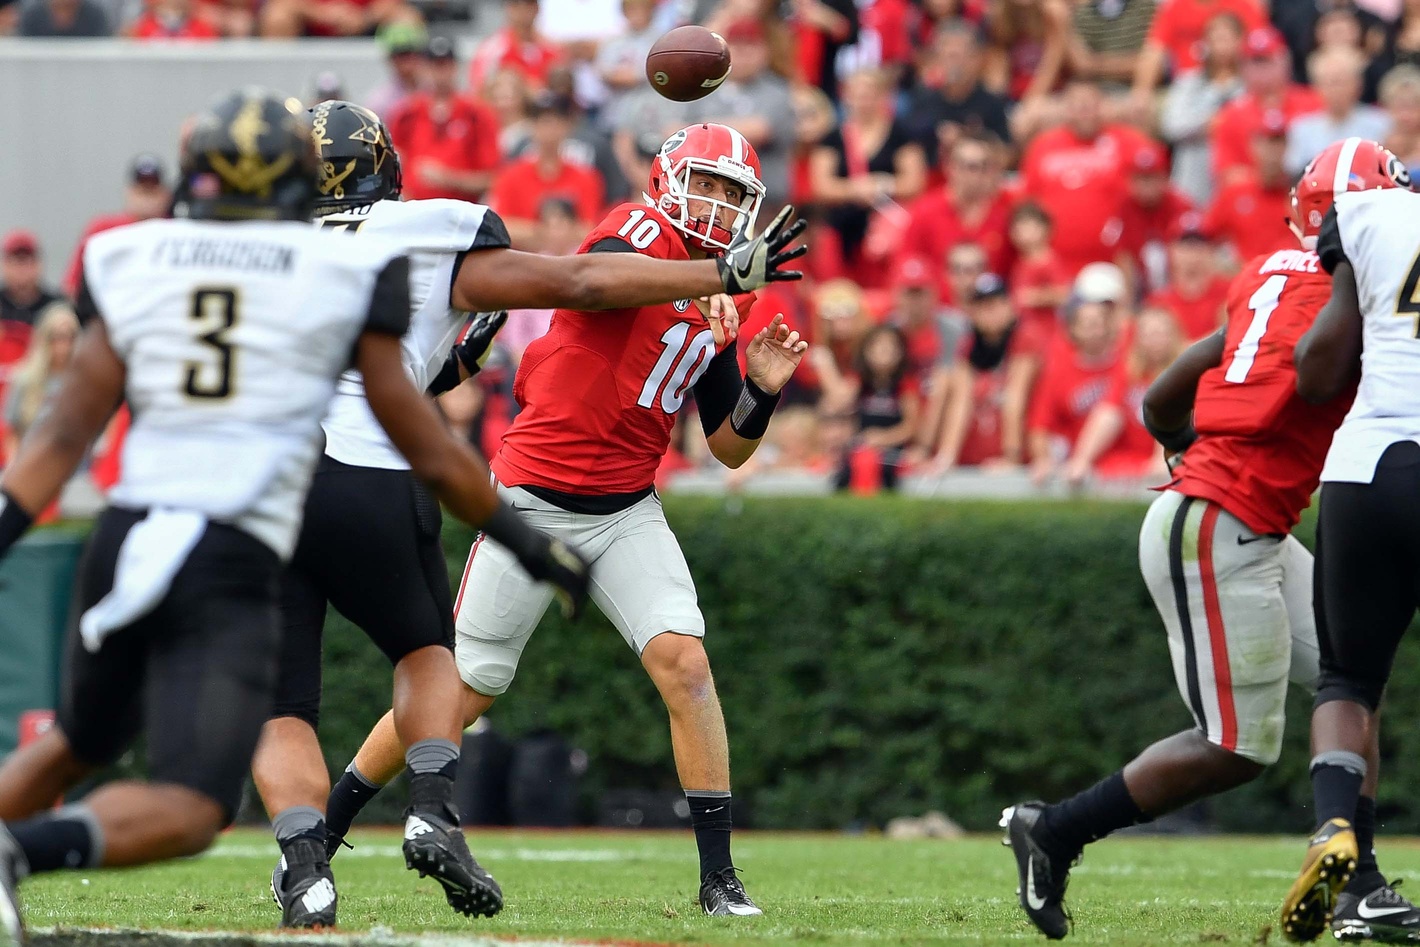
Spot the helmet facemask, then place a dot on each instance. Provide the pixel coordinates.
(708, 235)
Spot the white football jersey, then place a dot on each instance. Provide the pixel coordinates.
(233, 335)
(1379, 233)
(433, 233)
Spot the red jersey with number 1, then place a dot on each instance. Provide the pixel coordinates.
(1260, 447)
(599, 392)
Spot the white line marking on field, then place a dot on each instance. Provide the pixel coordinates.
(490, 854)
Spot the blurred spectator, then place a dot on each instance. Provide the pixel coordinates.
(1077, 173)
(1114, 444)
(448, 142)
(1107, 39)
(559, 233)
(769, 14)
(967, 261)
(170, 19)
(577, 28)
(516, 46)
(1025, 58)
(9, 17)
(67, 19)
(232, 19)
(621, 60)
(586, 143)
(292, 18)
(404, 45)
(1148, 209)
(325, 87)
(886, 36)
(931, 332)
(1175, 42)
(36, 378)
(1251, 212)
(1195, 293)
(1336, 75)
(1039, 284)
(1401, 46)
(1194, 100)
(1075, 378)
(507, 94)
(988, 386)
(951, 99)
(840, 321)
(885, 399)
(523, 185)
(1268, 86)
(869, 162)
(145, 197)
(756, 102)
(22, 291)
(1400, 97)
(814, 118)
(820, 29)
(971, 206)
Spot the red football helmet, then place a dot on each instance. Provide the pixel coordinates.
(713, 149)
(1353, 164)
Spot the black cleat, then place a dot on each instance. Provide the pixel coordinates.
(434, 846)
(1043, 876)
(304, 887)
(1329, 863)
(13, 869)
(333, 844)
(722, 895)
(1383, 915)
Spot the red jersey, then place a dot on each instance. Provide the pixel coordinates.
(98, 225)
(935, 227)
(150, 26)
(1240, 119)
(1141, 226)
(520, 189)
(982, 441)
(1134, 451)
(1068, 388)
(464, 139)
(503, 50)
(599, 392)
(1179, 24)
(1251, 217)
(1080, 184)
(1260, 447)
(1197, 315)
(1044, 272)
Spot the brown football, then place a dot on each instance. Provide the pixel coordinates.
(688, 63)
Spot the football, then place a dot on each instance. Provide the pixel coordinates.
(688, 63)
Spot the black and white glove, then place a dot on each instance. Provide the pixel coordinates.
(469, 354)
(753, 261)
(544, 558)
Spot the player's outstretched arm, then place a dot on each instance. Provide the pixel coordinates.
(1328, 356)
(499, 278)
(455, 473)
(736, 414)
(1168, 404)
(89, 394)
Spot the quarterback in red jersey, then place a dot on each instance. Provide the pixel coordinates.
(1233, 587)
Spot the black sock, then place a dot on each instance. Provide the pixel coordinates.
(1092, 814)
(1368, 875)
(69, 838)
(351, 794)
(1336, 785)
(711, 820)
(433, 764)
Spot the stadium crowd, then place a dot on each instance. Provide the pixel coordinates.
(1021, 210)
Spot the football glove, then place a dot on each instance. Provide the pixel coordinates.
(470, 353)
(753, 261)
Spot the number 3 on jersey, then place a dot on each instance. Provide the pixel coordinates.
(680, 366)
(215, 311)
(1262, 304)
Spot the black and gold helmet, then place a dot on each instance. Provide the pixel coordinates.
(248, 157)
(358, 164)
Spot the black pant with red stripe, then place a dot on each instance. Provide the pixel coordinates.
(1367, 576)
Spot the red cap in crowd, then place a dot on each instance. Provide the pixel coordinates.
(912, 273)
(1264, 43)
(1150, 158)
(20, 241)
(1188, 226)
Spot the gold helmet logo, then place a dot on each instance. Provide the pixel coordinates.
(371, 132)
(251, 173)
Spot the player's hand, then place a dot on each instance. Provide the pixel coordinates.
(558, 564)
(753, 261)
(722, 315)
(477, 343)
(773, 354)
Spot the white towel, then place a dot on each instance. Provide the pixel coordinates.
(151, 555)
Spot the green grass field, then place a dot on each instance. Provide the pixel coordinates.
(815, 889)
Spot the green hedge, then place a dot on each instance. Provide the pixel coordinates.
(883, 657)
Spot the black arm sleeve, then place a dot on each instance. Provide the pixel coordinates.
(1328, 243)
(389, 302)
(718, 389)
(84, 306)
(611, 245)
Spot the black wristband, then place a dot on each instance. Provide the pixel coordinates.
(1175, 442)
(750, 418)
(14, 521)
(507, 529)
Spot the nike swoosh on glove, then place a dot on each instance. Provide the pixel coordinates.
(753, 261)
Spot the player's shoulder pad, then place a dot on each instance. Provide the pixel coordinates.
(110, 249)
(439, 225)
(641, 226)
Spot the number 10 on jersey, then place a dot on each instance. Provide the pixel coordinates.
(680, 366)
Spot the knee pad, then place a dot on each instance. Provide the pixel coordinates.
(489, 671)
(1335, 686)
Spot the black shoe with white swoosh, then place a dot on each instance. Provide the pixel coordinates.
(1383, 915)
(434, 846)
(13, 869)
(1043, 876)
(722, 895)
(306, 888)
